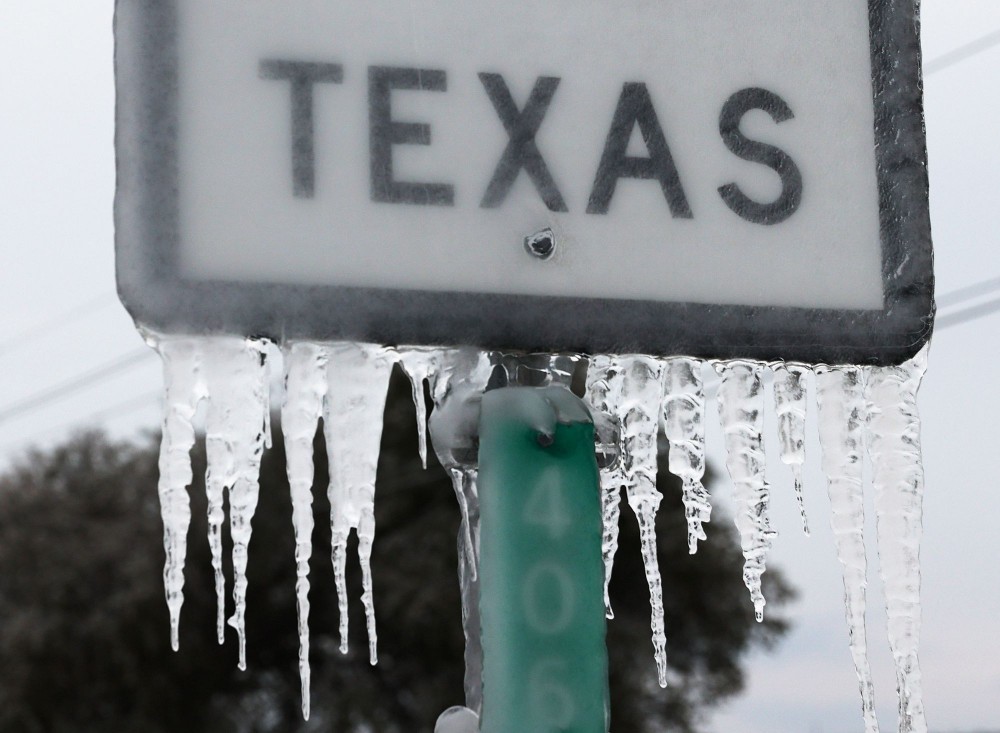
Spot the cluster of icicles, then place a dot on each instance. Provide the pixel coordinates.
(345, 385)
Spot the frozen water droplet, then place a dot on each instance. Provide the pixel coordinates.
(741, 410)
(842, 413)
(684, 426)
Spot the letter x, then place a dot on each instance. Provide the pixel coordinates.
(521, 151)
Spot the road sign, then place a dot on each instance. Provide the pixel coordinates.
(713, 178)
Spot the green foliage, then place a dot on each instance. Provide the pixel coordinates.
(84, 644)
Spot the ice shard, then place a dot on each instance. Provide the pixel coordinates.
(235, 431)
(457, 385)
(684, 426)
(741, 409)
(357, 378)
(632, 396)
(842, 413)
(893, 439)
(184, 388)
(305, 394)
(599, 372)
(419, 364)
(790, 407)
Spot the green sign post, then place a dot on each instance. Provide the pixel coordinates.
(541, 573)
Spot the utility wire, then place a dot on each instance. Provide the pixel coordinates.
(121, 408)
(968, 314)
(962, 53)
(122, 363)
(969, 291)
(33, 333)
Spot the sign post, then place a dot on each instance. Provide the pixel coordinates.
(545, 665)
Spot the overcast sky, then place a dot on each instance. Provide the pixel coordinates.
(61, 320)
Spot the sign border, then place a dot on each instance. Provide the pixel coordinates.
(152, 290)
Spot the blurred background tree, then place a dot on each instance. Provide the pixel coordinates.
(84, 644)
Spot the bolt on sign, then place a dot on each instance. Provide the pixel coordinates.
(716, 178)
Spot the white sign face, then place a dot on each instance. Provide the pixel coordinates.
(673, 155)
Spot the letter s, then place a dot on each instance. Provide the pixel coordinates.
(778, 160)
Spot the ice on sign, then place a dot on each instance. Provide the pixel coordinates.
(860, 408)
(669, 192)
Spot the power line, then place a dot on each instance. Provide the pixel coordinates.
(55, 323)
(122, 363)
(968, 292)
(968, 314)
(962, 53)
(121, 408)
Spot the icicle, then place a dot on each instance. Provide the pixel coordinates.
(457, 386)
(238, 387)
(684, 425)
(357, 378)
(184, 389)
(466, 485)
(538, 370)
(305, 390)
(419, 364)
(898, 479)
(612, 475)
(790, 407)
(741, 407)
(639, 409)
(841, 401)
(633, 396)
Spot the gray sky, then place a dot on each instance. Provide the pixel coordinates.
(61, 321)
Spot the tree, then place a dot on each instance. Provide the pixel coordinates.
(84, 633)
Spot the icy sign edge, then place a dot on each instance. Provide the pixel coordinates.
(157, 297)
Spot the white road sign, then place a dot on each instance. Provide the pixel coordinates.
(713, 177)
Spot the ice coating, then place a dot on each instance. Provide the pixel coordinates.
(345, 383)
(632, 397)
(612, 476)
(684, 426)
(456, 385)
(183, 390)
(419, 364)
(893, 439)
(842, 413)
(235, 432)
(357, 378)
(305, 392)
(790, 407)
(741, 410)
